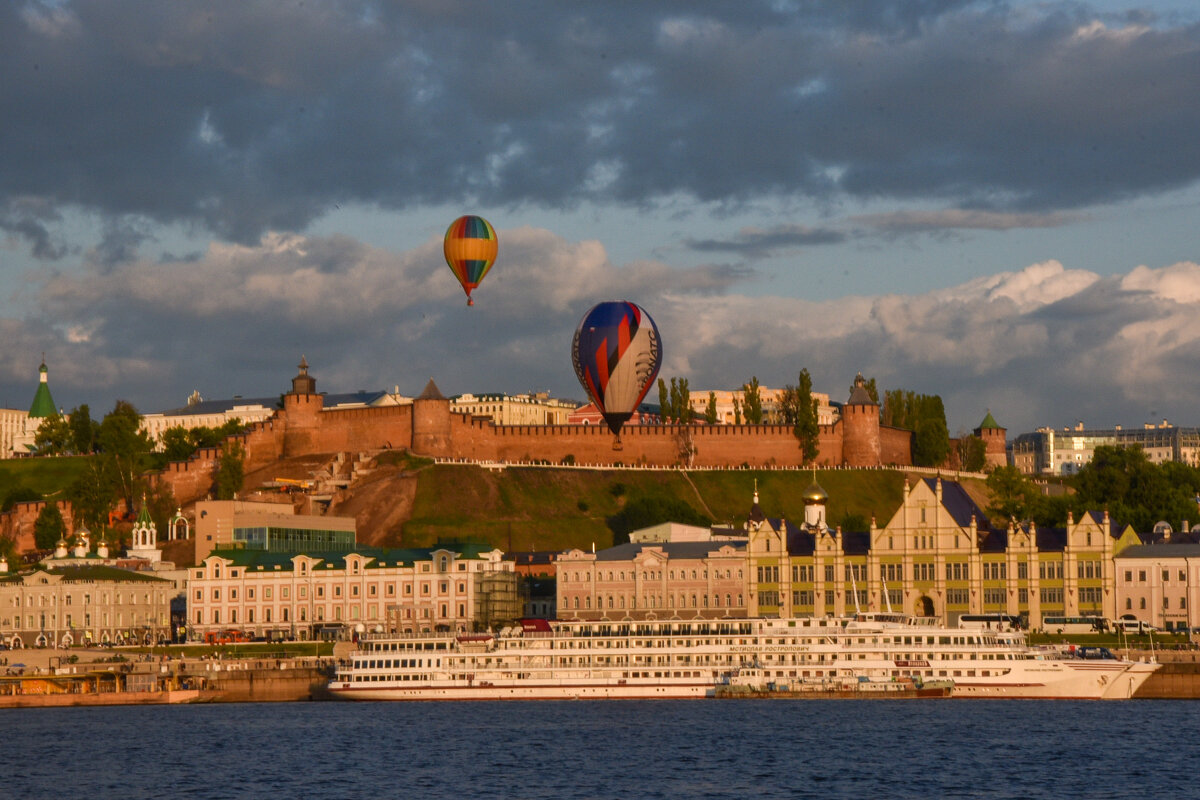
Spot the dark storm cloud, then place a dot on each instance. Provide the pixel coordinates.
(246, 117)
(754, 243)
(29, 219)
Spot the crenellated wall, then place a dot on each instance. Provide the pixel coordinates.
(17, 523)
(428, 427)
(478, 438)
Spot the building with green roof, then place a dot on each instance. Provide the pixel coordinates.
(453, 586)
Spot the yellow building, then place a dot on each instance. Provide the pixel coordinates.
(725, 399)
(936, 556)
(537, 408)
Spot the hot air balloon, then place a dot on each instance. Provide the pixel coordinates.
(470, 248)
(616, 353)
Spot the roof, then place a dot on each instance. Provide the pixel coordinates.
(989, 421)
(205, 407)
(1165, 550)
(859, 396)
(380, 556)
(856, 543)
(1051, 540)
(994, 541)
(100, 572)
(958, 503)
(43, 403)
(627, 551)
(431, 392)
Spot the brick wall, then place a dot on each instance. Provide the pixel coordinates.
(17, 523)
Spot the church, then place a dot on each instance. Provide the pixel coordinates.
(18, 428)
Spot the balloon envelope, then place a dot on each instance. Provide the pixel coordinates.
(616, 353)
(470, 247)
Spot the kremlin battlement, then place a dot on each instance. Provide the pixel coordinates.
(428, 427)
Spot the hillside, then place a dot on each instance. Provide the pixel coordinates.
(532, 508)
(402, 500)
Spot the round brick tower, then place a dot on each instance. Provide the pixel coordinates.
(301, 410)
(995, 441)
(431, 422)
(860, 427)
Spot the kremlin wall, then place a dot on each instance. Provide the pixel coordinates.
(428, 427)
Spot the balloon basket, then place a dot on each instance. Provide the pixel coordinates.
(470, 302)
(617, 444)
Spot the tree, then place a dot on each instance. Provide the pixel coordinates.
(931, 444)
(230, 471)
(160, 501)
(53, 437)
(19, 493)
(664, 407)
(48, 528)
(788, 404)
(972, 453)
(925, 416)
(737, 412)
(1136, 491)
(1013, 496)
(854, 522)
(681, 401)
(176, 444)
(752, 402)
(710, 411)
(93, 493)
(83, 430)
(806, 429)
(125, 449)
(643, 512)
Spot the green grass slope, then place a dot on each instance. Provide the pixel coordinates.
(539, 509)
(49, 477)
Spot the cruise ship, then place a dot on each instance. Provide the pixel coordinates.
(540, 659)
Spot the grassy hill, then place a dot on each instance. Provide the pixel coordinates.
(539, 508)
(409, 501)
(49, 477)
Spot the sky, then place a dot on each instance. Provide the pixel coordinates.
(995, 202)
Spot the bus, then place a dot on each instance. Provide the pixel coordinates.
(230, 636)
(1073, 624)
(991, 622)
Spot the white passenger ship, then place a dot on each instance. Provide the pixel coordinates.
(692, 659)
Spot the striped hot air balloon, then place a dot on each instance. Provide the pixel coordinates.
(616, 353)
(470, 248)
